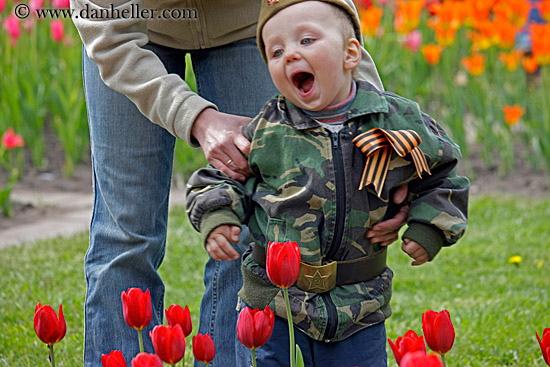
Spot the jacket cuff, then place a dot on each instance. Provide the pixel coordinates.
(430, 238)
(216, 218)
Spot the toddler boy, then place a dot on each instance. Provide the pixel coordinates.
(326, 156)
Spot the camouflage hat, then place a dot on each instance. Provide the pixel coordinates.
(271, 7)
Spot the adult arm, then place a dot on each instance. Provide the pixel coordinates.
(116, 46)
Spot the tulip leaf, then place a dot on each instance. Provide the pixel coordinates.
(299, 357)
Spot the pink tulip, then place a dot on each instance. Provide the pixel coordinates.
(11, 25)
(2, 5)
(413, 40)
(28, 24)
(61, 4)
(57, 28)
(35, 4)
(10, 140)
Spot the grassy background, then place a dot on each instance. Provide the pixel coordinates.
(496, 306)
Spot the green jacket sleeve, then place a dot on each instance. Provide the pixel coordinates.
(438, 202)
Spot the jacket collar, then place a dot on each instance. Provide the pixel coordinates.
(368, 100)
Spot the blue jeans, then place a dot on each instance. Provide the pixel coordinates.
(132, 167)
(366, 348)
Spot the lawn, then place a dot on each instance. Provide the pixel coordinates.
(495, 306)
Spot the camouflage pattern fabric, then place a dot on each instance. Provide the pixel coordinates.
(304, 188)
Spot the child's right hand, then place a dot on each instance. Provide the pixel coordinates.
(218, 242)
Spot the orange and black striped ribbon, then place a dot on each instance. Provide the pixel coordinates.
(378, 143)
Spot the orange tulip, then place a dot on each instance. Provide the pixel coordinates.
(530, 64)
(510, 59)
(540, 38)
(512, 114)
(515, 12)
(407, 15)
(479, 9)
(505, 33)
(544, 8)
(432, 53)
(370, 20)
(484, 35)
(474, 64)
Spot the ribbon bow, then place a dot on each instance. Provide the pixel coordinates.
(377, 145)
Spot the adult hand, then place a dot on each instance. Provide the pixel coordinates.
(220, 137)
(387, 231)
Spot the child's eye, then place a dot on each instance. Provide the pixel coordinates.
(306, 41)
(277, 53)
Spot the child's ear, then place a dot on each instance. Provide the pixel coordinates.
(353, 54)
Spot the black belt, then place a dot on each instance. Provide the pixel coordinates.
(323, 278)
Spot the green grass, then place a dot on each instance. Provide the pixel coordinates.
(495, 306)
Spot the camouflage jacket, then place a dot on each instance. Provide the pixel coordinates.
(304, 188)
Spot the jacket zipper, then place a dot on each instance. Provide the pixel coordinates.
(340, 183)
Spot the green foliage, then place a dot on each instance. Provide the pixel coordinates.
(495, 306)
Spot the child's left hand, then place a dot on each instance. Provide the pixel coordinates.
(414, 250)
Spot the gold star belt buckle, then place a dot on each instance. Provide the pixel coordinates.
(317, 279)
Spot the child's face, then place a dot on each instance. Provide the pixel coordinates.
(309, 61)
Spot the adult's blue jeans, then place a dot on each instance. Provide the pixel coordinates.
(132, 167)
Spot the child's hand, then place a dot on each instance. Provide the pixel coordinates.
(217, 243)
(415, 251)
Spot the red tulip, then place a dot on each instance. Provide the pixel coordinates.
(11, 140)
(545, 345)
(176, 315)
(169, 343)
(204, 349)
(57, 30)
(409, 343)
(146, 360)
(283, 263)
(136, 307)
(113, 359)
(48, 327)
(420, 359)
(438, 330)
(254, 327)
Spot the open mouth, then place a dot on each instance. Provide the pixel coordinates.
(303, 81)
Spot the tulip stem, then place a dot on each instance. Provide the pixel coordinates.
(442, 360)
(290, 329)
(253, 357)
(141, 349)
(52, 359)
